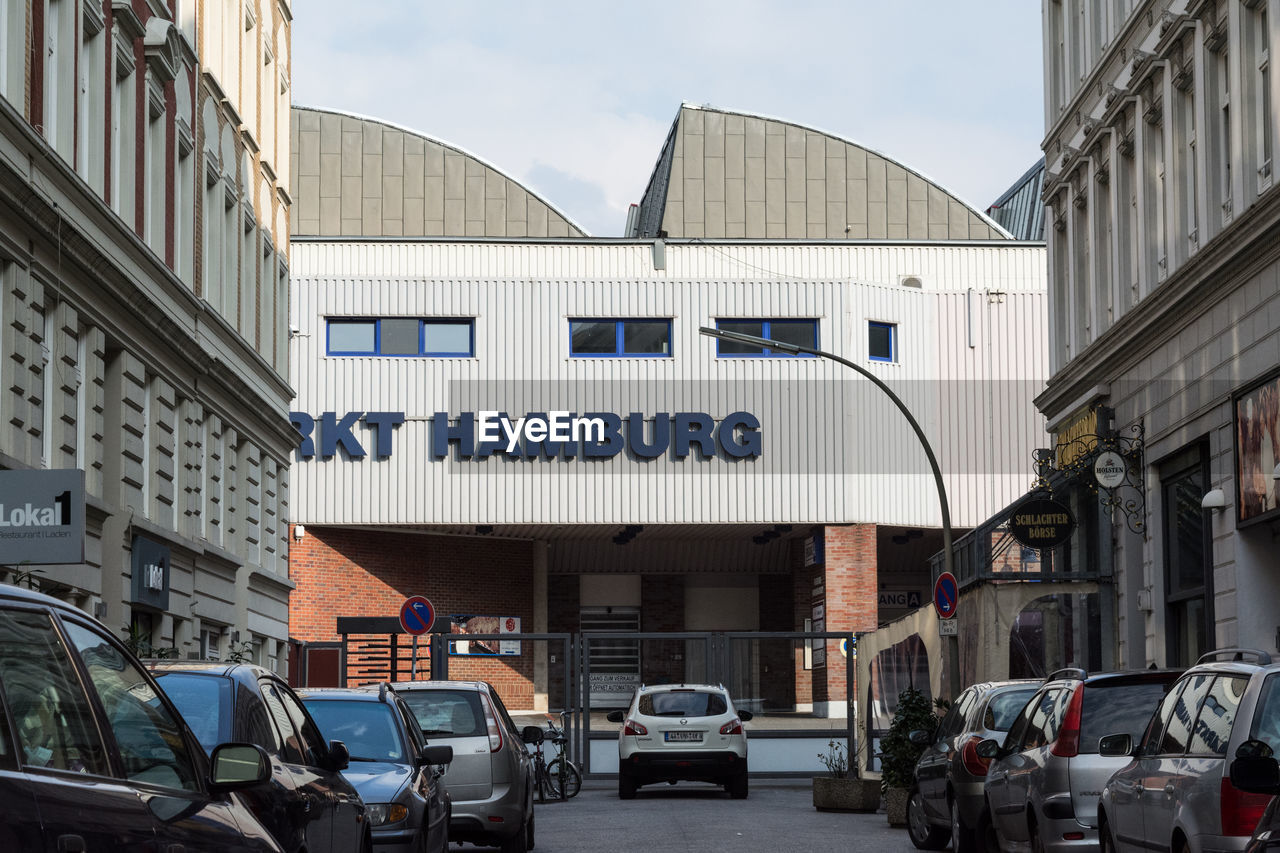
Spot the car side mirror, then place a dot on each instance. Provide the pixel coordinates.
(1255, 769)
(435, 755)
(235, 766)
(989, 748)
(533, 735)
(920, 737)
(619, 716)
(1116, 746)
(745, 716)
(339, 757)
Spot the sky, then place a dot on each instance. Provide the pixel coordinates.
(574, 99)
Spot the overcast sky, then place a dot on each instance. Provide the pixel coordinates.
(575, 99)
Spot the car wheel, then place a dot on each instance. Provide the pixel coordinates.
(924, 835)
(738, 787)
(516, 843)
(1033, 833)
(1106, 844)
(963, 839)
(985, 832)
(627, 788)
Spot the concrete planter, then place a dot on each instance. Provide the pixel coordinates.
(895, 805)
(845, 795)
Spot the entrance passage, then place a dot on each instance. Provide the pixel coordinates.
(797, 685)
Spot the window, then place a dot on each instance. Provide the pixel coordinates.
(1263, 96)
(148, 734)
(882, 339)
(592, 338)
(52, 717)
(800, 332)
(1188, 571)
(403, 336)
(1217, 716)
(1177, 731)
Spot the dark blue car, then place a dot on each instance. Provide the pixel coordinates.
(393, 768)
(308, 805)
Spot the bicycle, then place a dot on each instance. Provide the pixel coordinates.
(559, 778)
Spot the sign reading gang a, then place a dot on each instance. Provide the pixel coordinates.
(553, 435)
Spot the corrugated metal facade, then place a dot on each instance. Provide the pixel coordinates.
(972, 355)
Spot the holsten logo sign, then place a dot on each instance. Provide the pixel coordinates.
(551, 435)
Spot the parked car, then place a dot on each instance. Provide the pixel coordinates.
(309, 805)
(491, 778)
(94, 756)
(946, 802)
(393, 768)
(1189, 784)
(1263, 777)
(681, 732)
(1043, 783)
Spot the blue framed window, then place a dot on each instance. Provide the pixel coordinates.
(800, 332)
(882, 341)
(435, 337)
(600, 338)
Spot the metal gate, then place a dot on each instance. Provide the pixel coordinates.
(799, 685)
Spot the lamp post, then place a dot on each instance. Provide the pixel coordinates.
(953, 667)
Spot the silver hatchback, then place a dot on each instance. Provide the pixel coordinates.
(491, 778)
(1180, 788)
(1043, 784)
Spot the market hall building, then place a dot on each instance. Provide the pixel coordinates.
(523, 423)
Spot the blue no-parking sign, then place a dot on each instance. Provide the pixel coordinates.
(417, 615)
(946, 595)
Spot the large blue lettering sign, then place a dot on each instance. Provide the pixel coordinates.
(541, 435)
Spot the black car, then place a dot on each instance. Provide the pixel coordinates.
(393, 768)
(93, 756)
(309, 804)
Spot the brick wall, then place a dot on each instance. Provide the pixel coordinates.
(850, 595)
(342, 572)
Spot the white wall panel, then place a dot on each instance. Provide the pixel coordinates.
(852, 459)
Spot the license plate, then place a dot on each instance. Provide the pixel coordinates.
(683, 736)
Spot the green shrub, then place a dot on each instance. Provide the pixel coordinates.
(898, 755)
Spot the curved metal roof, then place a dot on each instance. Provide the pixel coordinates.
(725, 173)
(356, 176)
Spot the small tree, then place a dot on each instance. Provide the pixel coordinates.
(898, 755)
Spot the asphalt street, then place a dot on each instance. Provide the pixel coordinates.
(778, 816)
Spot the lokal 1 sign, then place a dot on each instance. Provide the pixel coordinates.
(42, 516)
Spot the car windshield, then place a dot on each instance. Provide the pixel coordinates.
(367, 729)
(1266, 720)
(1118, 709)
(1003, 708)
(683, 703)
(447, 713)
(204, 701)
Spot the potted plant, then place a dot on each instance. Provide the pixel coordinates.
(898, 754)
(843, 790)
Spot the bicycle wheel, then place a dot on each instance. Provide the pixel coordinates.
(562, 768)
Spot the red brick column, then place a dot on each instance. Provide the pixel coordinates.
(850, 599)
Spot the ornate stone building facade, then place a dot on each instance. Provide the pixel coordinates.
(143, 305)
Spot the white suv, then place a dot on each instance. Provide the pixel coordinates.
(681, 732)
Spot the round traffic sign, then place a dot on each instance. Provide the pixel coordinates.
(417, 615)
(946, 595)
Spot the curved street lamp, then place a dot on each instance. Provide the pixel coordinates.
(953, 665)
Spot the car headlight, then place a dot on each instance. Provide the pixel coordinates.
(380, 813)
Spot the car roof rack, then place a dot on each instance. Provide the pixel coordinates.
(1261, 657)
(1067, 672)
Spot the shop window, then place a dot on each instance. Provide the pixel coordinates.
(882, 341)
(596, 338)
(1188, 596)
(799, 332)
(403, 337)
